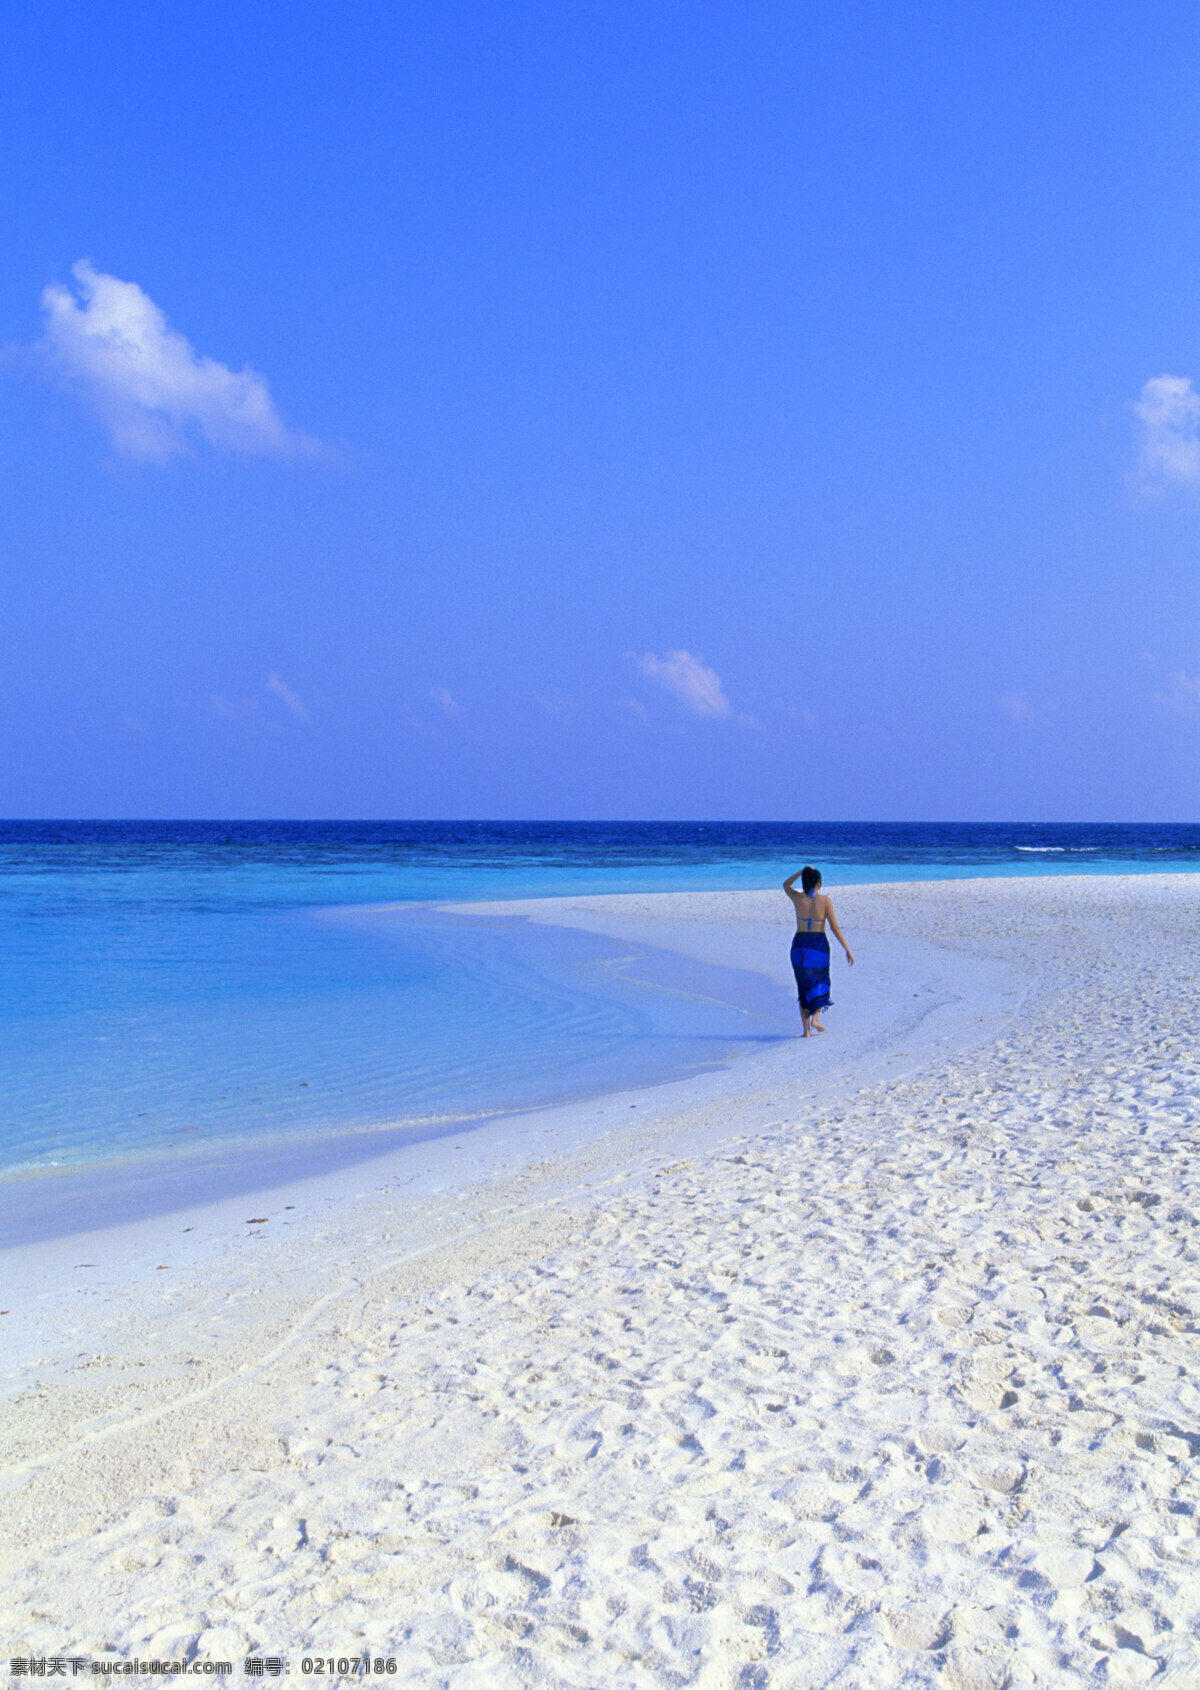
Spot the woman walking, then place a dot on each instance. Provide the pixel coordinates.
(810, 947)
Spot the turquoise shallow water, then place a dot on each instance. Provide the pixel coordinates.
(171, 987)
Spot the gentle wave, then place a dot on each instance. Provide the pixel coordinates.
(1057, 849)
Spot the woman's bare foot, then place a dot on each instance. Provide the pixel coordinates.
(817, 1027)
(804, 1020)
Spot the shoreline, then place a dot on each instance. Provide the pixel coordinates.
(699, 952)
(663, 1017)
(911, 993)
(141, 1183)
(877, 1366)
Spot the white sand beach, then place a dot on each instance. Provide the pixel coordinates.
(866, 1361)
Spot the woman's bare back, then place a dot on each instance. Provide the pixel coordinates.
(811, 911)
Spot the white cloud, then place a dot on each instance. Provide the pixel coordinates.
(250, 709)
(113, 348)
(1180, 696)
(1168, 413)
(446, 703)
(277, 685)
(697, 687)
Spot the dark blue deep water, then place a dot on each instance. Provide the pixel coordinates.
(402, 860)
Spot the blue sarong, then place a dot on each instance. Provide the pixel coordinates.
(810, 963)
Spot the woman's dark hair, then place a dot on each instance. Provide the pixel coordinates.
(810, 879)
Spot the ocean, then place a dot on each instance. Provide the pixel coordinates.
(179, 989)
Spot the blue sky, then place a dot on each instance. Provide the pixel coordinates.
(600, 410)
